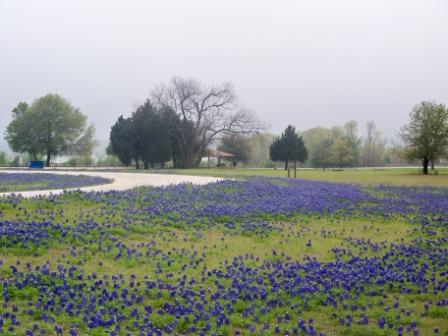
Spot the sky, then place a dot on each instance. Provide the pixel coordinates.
(306, 63)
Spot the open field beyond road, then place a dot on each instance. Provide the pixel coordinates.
(365, 176)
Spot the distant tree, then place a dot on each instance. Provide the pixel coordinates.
(318, 141)
(122, 141)
(321, 154)
(351, 136)
(108, 159)
(288, 147)
(19, 133)
(425, 137)
(151, 135)
(259, 149)
(341, 153)
(276, 150)
(16, 161)
(142, 137)
(174, 127)
(50, 126)
(200, 114)
(238, 145)
(3, 159)
(374, 147)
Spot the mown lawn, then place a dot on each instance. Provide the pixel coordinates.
(365, 176)
(249, 257)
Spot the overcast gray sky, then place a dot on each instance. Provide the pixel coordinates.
(308, 63)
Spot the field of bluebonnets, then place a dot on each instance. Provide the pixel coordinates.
(258, 256)
(11, 181)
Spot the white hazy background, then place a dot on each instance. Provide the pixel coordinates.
(306, 63)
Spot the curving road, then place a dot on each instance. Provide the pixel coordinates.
(121, 181)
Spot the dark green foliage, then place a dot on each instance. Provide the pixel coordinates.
(180, 132)
(121, 141)
(288, 147)
(142, 137)
(151, 137)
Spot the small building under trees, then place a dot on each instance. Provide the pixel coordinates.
(220, 156)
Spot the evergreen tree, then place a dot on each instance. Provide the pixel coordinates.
(288, 147)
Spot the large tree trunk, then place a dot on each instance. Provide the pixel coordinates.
(425, 166)
(187, 159)
(286, 164)
(48, 159)
(137, 164)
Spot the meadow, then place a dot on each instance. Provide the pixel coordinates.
(364, 176)
(250, 256)
(11, 181)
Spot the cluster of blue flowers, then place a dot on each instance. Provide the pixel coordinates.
(39, 181)
(369, 286)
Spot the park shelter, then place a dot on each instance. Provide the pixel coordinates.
(220, 155)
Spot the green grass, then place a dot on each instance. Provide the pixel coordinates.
(364, 176)
(215, 245)
(218, 245)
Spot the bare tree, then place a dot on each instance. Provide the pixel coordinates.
(373, 147)
(200, 114)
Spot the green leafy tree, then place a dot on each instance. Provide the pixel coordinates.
(51, 126)
(259, 149)
(16, 161)
(341, 153)
(3, 159)
(19, 133)
(350, 133)
(425, 137)
(318, 141)
(288, 147)
(321, 153)
(238, 145)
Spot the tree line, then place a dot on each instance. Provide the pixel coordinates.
(181, 120)
(179, 123)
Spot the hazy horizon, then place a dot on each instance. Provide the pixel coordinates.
(305, 63)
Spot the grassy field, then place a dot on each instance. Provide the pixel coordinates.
(255, 256)
(365, 176)
(10, 182)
